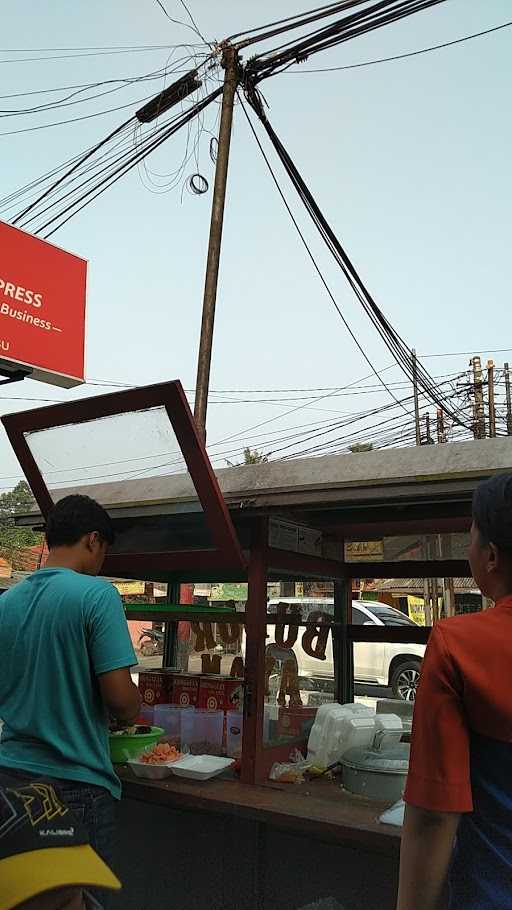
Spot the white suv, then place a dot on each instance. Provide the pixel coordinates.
(375, 663)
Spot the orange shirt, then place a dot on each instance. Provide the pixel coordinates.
(465, 689)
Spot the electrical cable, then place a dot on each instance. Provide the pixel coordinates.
(425, 50)
(358, 23)
(160, 47)
(313, 260)
(396, 345)
(124, 168)
(77, 166)
(193, 27)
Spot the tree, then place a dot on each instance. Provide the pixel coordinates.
(251, 456)
(359, 447)
(13, 538)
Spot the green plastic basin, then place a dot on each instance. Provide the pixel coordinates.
(124, 746)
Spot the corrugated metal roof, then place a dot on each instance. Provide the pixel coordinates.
(415, 586)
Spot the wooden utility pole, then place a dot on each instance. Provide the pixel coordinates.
(492, 405)
(230, 64)
(428, 438)
(441, 435)
(416, 399)
(478, 392)
(509, 400)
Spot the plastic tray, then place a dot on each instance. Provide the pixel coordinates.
(200, 767)
(150, 772)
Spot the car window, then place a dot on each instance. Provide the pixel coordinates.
(358, 617)
(388, 615)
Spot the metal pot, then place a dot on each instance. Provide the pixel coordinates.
(379, 775)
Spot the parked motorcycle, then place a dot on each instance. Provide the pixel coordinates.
(151, 642)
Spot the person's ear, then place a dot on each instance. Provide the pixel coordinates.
(92, 541)
(493, 560)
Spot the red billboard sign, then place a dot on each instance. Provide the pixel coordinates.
(42, 308)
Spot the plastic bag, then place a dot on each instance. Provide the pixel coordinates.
(291, 772)
(394, 815)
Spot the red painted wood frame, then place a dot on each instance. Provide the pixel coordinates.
(169, 395)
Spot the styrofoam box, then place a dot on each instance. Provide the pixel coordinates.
(332, 735)
(150, 772)
(200, 767)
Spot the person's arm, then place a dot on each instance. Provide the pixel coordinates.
(120, 695)
(438, 787)
(112, 655)
(427, 844)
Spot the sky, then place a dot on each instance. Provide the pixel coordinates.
(409, 160)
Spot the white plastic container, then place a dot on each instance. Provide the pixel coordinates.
(270, 716)
(149, 772)
(168, 717)
(332, 734)
(147, 715)
(388, 731)
(234, 733)
(208, 732)
(200, 767)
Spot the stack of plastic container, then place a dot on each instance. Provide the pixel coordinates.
(338, 728)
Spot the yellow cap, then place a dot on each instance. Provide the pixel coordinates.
(25, 875)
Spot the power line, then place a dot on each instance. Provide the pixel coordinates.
(357, 23)
(193, 26)
(159, 47)
(425, 50)
(81, 90)
(105, 47)
(393, 341)
(313, 260)
(46, 126)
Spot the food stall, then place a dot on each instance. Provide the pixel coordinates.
(243, 837)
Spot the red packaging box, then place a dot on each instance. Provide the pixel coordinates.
(155, 687)
(211, 693)
(295, 721)
(233, 694)
(220, 693)
(185, 688)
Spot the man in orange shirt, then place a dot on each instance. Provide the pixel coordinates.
(458, 822)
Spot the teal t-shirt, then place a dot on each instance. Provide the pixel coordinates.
(59, 630)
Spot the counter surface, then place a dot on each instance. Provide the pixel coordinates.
(319, 808)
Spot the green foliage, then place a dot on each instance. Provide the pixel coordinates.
(13, 539)
(252, 456)
(361, 447)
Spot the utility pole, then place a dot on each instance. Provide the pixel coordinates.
(492, 405)
(416, 398)
(509, 400)
(441, 435)
(428, 438)
(230, 64)
(478, 391)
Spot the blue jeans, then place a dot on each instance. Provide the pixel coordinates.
(94, 808)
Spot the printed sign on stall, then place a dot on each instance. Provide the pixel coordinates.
(42, 308)
(416, 608)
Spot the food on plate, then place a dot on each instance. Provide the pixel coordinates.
(160, 754)
(135, 730)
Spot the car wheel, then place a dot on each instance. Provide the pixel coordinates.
(405, 679)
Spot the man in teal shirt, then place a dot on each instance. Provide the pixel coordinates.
(65, 658)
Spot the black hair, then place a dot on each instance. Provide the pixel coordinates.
(492, 511)
(75, 516)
